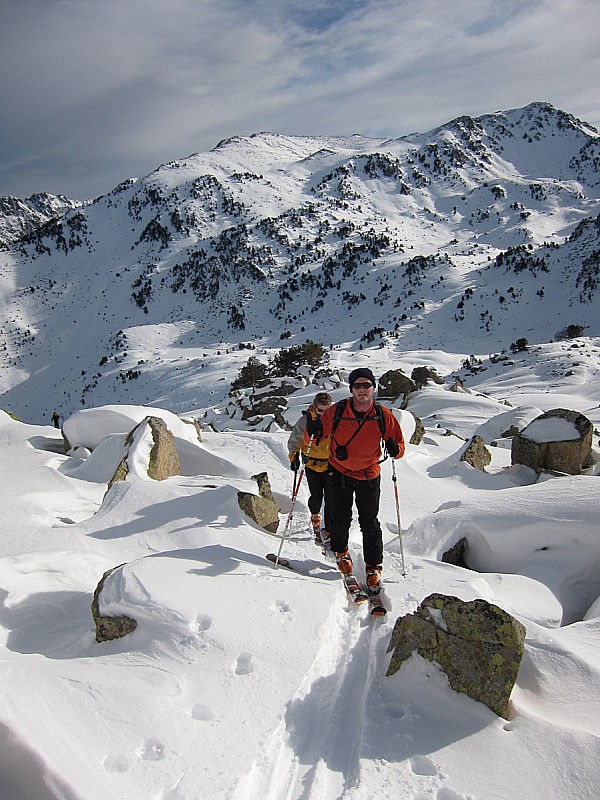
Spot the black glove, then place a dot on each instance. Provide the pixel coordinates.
(314, 427)
(295, 462)
(392, 447)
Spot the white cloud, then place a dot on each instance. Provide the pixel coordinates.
(96, 91)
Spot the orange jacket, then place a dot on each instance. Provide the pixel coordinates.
(364, 450)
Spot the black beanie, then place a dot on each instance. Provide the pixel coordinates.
(361, 372)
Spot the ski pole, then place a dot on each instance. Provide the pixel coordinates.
(298, 482)
(395, 482)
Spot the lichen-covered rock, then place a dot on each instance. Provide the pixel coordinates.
(261, 508)
(478, 645)
(108, 628)
(419, 431)
(197, 426)
(534, 448)
(394, 383)
(164, 461)
(476, 453)
(421, 376)
(264, 486)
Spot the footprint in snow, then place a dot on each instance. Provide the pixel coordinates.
(201, 712)
(116, 763)
(151, 750)
(202, 623)
(281, 607)
(423, 765)
(244, 664)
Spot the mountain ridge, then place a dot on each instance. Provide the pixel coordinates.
(467, 237)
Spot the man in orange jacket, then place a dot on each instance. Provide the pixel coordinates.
(354, 471)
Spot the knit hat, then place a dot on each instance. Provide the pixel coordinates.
(361, 372)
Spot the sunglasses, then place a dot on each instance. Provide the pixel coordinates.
(364, 385)
(321, 410)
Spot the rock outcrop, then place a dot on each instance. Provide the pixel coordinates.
(557, 441)
(422, 375)
(476, 453)
(478, 645)
(261, 508)
(419, 431)
(163, 461)
(394, 383)
(108, 628)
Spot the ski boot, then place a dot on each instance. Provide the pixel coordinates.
(315, 521)
(325, 542)
(344, 562)
(373, 578)
(353, 589)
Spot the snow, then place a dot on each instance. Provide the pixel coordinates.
(246, 681)
(551, 430)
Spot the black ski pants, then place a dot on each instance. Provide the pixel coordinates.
(318, 487)
(343, 492)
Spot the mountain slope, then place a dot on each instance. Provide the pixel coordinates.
(464, 238)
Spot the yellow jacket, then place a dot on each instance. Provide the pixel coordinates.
(318, 458)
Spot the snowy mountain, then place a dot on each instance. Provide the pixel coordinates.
(20, 217)
(473, 250)
(464, 238)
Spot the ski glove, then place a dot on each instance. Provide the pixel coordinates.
(295, 462)
(314, 427)
(392, 447)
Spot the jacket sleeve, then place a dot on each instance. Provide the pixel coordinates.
(326, 423)
(393, 429)
(297, 435)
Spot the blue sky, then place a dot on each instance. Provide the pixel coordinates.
(95, 91)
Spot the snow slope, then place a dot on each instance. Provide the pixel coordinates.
(244, 681)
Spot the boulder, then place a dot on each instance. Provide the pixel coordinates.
(476, 453)
(457, 554)
(394, 383)
(421, 375)
(557, 441)
(163, 461)
(419, 431)
(261, 508)
(478, 645)
(108, 628)
(459, 386)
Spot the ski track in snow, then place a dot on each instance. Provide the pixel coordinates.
(315, 751)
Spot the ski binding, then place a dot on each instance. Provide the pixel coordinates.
(354, 590)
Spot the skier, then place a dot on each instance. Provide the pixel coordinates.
(355, 428)
(56, 419)
(316, 465)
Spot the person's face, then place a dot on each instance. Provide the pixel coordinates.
(362, 390)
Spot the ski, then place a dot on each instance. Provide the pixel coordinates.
(376, 606)
(356, 594)
(326, 545)
(283, 562)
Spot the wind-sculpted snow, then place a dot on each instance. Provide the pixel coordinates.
(260, 682)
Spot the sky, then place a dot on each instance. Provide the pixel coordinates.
(96, 91)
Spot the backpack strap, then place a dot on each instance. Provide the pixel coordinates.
(380, 419)
(339, 414)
